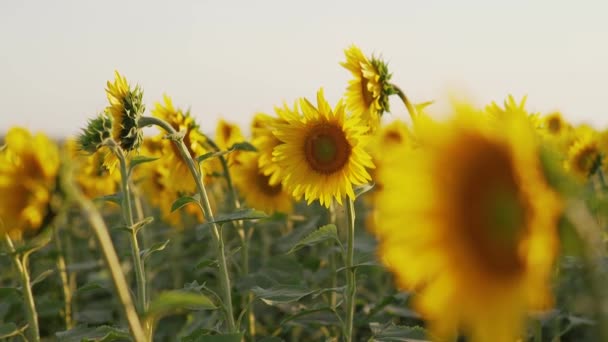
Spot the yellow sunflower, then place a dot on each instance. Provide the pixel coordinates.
(256, 189)
(226, 135)
(90, 174)
(264, 141)
(513, 108)
(367, 93)
(469, 221)
(29, 165)
(584, 153)
(322, 155)
(194, 140)
(157, 183)
(126, 108)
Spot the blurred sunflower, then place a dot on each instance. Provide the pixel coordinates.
(584, 153)
(29, 165)
(367, 93)
(226, 135)
(91, 175)
(157, 183)
(194, 140)
(256, 188)
(126, 108)
(322, 155)
(471, 213)
(512, 108)
(264, 141)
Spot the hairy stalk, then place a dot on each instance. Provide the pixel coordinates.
(410, 107)
(109, 254)
(65, 280)
(205, 206)
(20, 261)
(244, 234)
(351, 281)
(333, 299)
(127, 209)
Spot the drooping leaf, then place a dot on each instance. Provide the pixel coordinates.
(139, 225)
(138, 160)
(281, 294)
(324, 233)
(98, 334)
(182, 201)
(393, 333)
(363, 189)
(243, 146)
(240, 215)
(41, 277)
(114, 198)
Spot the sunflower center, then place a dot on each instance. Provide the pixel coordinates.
(263, 183)
(368, 97)
(586, 159)
(490, 212)
(554, 125)
(326, 148)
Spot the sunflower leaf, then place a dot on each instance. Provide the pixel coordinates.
(182, 201)
(159, 246)
(137, 160)
(324, 233)
(363, 189)
(170, 302)
(242, 146)
(10, 329)
(240, 215)
(114, 198)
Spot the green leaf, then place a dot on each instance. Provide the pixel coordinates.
(182, 201)
(10, 329)
(310, 312)
(391, 333)
(243, 146)
(200, 336)
(159, 246)
(170, 302)
(210, 155)
(137, 160)
(114, 198)
(89, 287)
(98, 334)
(9, 292)
(240, 215)
(363, 189)
(41, 277)
(139, 225)
(281, 294)
(324, 233)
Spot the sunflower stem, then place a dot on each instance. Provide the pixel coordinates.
(127, 208)
(65, 280)
(243, 233)
(351, 281)
(410, 107)
(207, 212)
(109, 254)
(332, 260)
(20, 261)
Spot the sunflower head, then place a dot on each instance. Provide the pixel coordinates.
(226, 135)
(265, 141)
(126, 108)
(91, 173)
(513, 108)
(584, 155)
(367, 93)
(471, 212)
(97, 131)
(194, 140)
(554, 124)
(322, 152)
(256, 188)
(29, 167)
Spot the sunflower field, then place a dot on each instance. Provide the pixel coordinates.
(319, 222)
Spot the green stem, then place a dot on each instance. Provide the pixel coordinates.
(109, 254)
(20, 261)
(207, 212)
(351, 281)
(140, 276)
(410, 107)
(333, 299)
(65, 280)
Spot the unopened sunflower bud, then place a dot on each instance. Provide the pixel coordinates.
(126, 108)
(97, 131)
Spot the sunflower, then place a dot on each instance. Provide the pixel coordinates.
(472, 214)
(256, 188)
(157, 182)
(126, 108)
(91, 175)
(584, 153)
(322, 153)
(264, 141)
(513, 108)
(194, 140)
(367, 93)
(226, 135)
(29, 165)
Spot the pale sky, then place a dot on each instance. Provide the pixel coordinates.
(231, 59)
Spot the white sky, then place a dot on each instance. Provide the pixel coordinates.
(231, 59)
